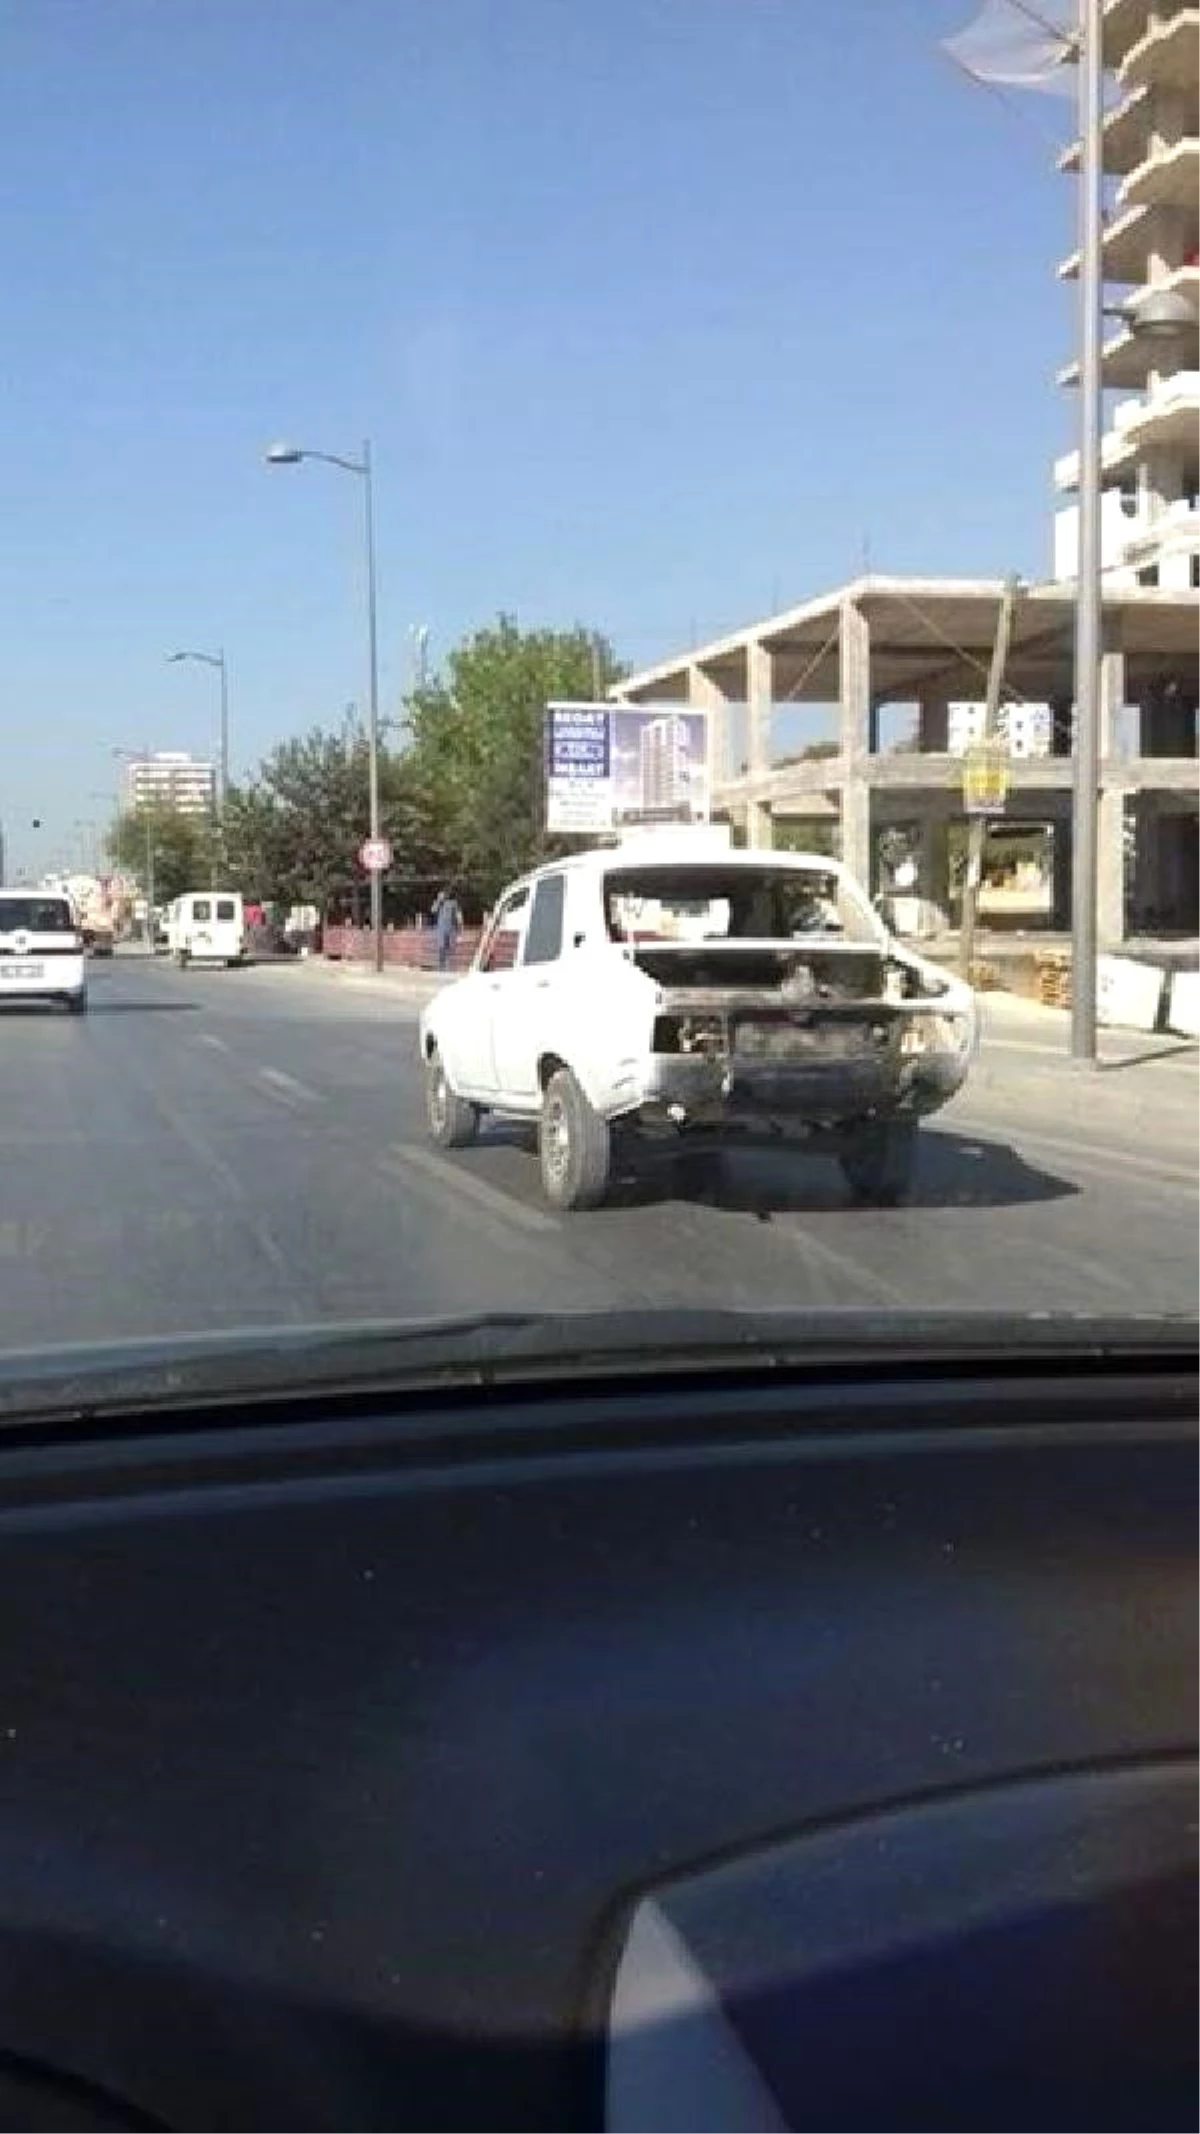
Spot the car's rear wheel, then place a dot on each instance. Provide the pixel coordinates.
(77, 1003)
(574, 1145)
(879, 1166)
(453, 1122)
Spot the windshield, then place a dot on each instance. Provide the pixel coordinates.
(558, 657)
(35, 915)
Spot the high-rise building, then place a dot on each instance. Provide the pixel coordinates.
(177, 783)
(1150, 513)
(665, 765)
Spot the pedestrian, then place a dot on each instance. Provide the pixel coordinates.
(447, 920)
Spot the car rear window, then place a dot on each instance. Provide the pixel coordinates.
(201, 908)
(36, 915)
(226, 908)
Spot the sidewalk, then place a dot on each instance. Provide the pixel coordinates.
(401, 981)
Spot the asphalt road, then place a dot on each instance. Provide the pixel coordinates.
(247, 1149)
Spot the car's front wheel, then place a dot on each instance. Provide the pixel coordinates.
(452, 1121)
(879, 1166)
(574, 1145)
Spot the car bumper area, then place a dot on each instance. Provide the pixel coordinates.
(809, 1095)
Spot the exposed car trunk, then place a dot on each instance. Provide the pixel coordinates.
(777, 1002)
(787, 972)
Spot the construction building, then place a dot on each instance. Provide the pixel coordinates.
(867, 647)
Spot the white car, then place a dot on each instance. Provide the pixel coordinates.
(42, 955)
(654, 988)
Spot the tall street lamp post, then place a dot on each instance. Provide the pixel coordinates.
(285, 455)
(218, 661)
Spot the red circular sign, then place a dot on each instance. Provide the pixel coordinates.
(375, 854)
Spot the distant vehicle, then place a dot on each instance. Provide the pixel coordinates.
(42, 955)
(660, 988)
(95, 909)
(207, 926)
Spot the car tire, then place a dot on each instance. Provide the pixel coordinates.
(77, 1003)
(453, 1123)
(879, 1166)
(574, 1146)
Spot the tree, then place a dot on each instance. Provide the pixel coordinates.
(475, 759)
(176, 849)
(292, 834)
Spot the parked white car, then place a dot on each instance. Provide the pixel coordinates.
(42, 955)
(656, 988)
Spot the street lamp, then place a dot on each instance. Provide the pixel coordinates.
(1156, 315)
(217, 660)
(287, 455)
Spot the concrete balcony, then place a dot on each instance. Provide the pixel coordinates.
(1125, 248)
(1130, 360)
(1168, 177)
(1169, 539)
(1123, 25)
(1167, 415)
(1167, 52)
(1126, 132)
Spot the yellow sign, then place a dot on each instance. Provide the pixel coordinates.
(985, 778)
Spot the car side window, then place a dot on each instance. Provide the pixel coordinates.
(502, 945)
(543, 940)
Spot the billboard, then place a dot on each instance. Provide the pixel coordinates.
(612, 765)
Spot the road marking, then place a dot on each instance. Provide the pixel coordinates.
(843, 1264)
(285, 1085)
(1179, 1050)
(205, 1037)
(402, 1157)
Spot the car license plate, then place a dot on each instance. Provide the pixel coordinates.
(22, 970)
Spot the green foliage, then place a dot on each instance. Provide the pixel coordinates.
(476, 751)
(177, 849)
(462, 800)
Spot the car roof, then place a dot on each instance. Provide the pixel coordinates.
(676, 853)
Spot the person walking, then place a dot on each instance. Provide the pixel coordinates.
(447, 921)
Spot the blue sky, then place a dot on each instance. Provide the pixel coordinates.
(656, 312)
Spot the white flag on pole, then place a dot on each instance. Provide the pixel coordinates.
(1012, 45)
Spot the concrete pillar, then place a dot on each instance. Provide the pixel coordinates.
(854, 681)
(854, 738)
(1112, 687)
(704, 694)
(760, 696)
(933, 856)
(1060, 917)
(855, 814)
(1110, 885)
(933, 727)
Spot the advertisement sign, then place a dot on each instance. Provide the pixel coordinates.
(609, 766)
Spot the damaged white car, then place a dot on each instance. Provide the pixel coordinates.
(652, 988)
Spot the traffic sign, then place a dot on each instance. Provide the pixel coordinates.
(985, 777)
(375, 854)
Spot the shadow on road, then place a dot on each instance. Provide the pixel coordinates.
(143, 1007)
(953, 1171)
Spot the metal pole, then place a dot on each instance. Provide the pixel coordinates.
(223, 770)
(3, 859)
(1086, 787)
(149, 884)
(977, 826)
(372, 707)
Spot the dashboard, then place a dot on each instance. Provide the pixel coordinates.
(739, 1748)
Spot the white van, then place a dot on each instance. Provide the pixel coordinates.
(41, 949)
(207, 926)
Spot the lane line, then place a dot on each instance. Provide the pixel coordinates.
(281, 1084)
(403, 1157)
(1181, 1050)
(206, 1037)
